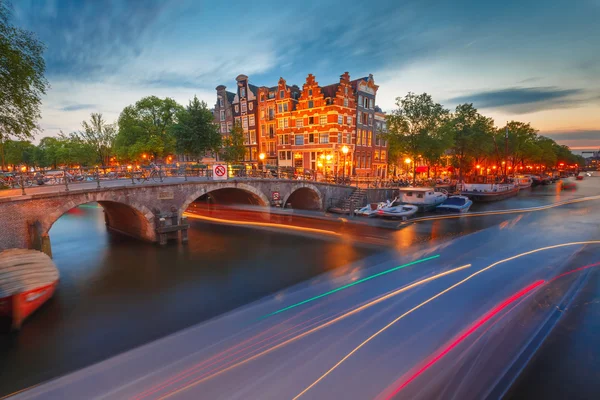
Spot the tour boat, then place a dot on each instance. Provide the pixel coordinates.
(397, 210)
(524, 181)
(425, 199)
(28, 279)
(459, 204)
(480, 189)
(371, 209)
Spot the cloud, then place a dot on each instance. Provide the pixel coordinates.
(77, 107)
(573, 135)
(524, 100)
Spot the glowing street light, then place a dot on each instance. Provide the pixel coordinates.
(261, 156)
(144, 156)
(407, 160)
(345, 151)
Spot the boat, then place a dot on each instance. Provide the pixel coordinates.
(371, 208)
(28, 278)
(483, 189)
(426, 199)
(537, 180)
(579, 177)
(524, 181)
(397, 210)
(459, 204)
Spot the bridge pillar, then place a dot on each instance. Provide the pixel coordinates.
(171, 226)
(38, 240)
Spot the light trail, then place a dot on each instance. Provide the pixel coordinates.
(263, 224)
(373, 336)
(329, 323)
(575, 270)
(502, 212)
(466, 334)
(350, 285)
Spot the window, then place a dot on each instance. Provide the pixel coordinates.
(340, 119)
(371, 103)
(377, 140)
(323, 119)
(229, 126)
(299, 123)
(368, 165)
(285, 107)
(271, 131)
(220, 101)
(252, 136)
(281, 94)
(223, 127)
(282, 155)
(245, 123)
(376, 155)
(311, 104)
(246, 138)
(365, 119)
(262, 97)
(310, 92)
(263, 147)
(251, 106)
(285, 122)
(346, 90)
(383, 155)
(271, 147)
(349, 120)
(289, 155)
(366, 102)
(339, 138)
(359, 117)
(280, 123)
(311, 120)
(324, 138)
(280, 108)
(271, 113)
(345, 102)
(349, 138)
(360, 99)
(263, 130)
(369, 137)
(370, 120)
(251, 120)
(222, 115)
(299, 140)
(311, 138)
(244, 107)
(242, 92)
(280, 138)
(237, 108)
(262, 114)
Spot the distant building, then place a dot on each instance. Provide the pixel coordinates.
(366, 92)
(380, 148)
(223, 110)
(245, 112)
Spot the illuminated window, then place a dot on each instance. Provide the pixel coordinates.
(345, 102)
(324, 138)
(242, 92)
(323, 119)
(251, 120)
(281, 94)
(222, 115)
(245, 122)
(311, 104)
(298, 122)
(340, 119)
(252, 136)
(244, 107)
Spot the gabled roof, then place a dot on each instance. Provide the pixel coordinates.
(330, 90)
(230, 96)
(253, 88)
(354, 83)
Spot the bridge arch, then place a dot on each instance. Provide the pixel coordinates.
(304, 196)
(129, 218)
(248, 194)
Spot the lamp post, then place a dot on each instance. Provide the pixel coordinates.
(261, 156)
(345, 151)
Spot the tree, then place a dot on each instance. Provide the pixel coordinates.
(19, 152)
(22, 80)
(145, 127)
(416, 128)
(64, 150)
(195, 131)
(233, 145)
(99, 135)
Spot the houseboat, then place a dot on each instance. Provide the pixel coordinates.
(524, 181)
(426, 199)
(28, 278)
(460, 204)
(483, 188)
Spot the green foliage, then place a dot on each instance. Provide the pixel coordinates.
(145, 127)
(22, 79)
(233, 145)
(63, 150)
(195, 131)
(100, 137)
(19, 152)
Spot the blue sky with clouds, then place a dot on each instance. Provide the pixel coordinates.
(534, 61)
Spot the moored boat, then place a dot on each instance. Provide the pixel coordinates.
(482, 189)
(371, 208)
(524, 181)
(28, 278)
(425, 199)
(397, 210)
(459, 204)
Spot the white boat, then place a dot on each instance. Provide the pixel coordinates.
(524, 181)
(371, 208)
(459, 204)
(425, 199)
(397, 210)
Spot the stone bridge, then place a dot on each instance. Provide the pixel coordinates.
(139, 210)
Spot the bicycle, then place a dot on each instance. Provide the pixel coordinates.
(10, 180)
(143, 176)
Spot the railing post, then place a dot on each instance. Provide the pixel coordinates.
(131, 174)
(66, 179)
(160, 172)
(97, 178)
(185, 173)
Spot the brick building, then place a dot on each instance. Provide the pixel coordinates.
(223, 111)
(307, 128)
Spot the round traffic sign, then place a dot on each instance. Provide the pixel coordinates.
(220, 170)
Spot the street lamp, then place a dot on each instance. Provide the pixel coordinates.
(345, 151)
(261, 156)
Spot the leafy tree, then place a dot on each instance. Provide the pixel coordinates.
(22, 81)
(100, 137)
(19, 152)
(64, 151)
(233, 145)
(415, 128)
(521, 141)
(195, 131)
(145, 127)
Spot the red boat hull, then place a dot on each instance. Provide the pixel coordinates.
(21, 305)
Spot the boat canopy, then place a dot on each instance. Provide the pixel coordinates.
(455, 201)
(22, 270)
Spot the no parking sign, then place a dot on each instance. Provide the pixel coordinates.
(219, 172)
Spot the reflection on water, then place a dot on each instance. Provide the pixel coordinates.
(117, 293)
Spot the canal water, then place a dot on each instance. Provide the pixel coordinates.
(117, 293)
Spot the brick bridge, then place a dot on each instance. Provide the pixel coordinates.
(140, 211)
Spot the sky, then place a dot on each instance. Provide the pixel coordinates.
(531, 61)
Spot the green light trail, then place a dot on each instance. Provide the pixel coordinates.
(350, 285)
